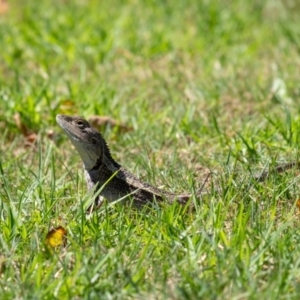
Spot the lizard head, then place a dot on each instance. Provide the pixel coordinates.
(87, 140)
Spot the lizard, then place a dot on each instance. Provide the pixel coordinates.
(107, 176)
(113, 181)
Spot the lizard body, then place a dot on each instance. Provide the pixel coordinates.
(112, 180)
(102, 171)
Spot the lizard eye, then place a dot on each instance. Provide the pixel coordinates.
(80, 123)
(94, 141)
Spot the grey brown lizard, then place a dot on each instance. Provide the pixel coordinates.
(104, 173)
(114, 182)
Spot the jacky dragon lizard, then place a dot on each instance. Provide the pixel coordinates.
(110, 179)
(101, 169)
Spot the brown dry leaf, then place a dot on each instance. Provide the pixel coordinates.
(68, 107)
(3, 7)
(29, 135)
(2, 264)
(50, 134)
(57, 237)
(30, 138)
(20, 125)
(100, 122)
(298, 205)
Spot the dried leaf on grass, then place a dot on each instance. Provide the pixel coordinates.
(298, 205)
(3, 7)
(100, 122)
(2, 264)
(57, 237)
(68, 107)
(29, 135)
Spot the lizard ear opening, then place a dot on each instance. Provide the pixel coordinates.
(94, 141)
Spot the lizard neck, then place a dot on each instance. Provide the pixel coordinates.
(107, 160)
(109, 163)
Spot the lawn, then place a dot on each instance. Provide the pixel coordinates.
(189, 87)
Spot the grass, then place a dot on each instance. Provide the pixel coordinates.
(204, 85)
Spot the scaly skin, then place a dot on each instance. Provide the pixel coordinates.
(112, 180)
(102, 170)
